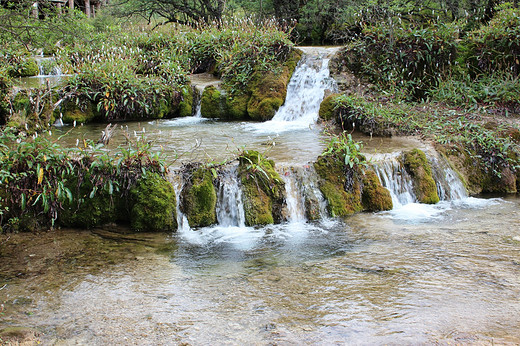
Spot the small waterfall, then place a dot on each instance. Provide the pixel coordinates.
(305, 91)
(197, 97)
(294, 198)
(304, 200)
(230, 210)
(48, 66)
(449, 185)
(183, 225)
(395, 178)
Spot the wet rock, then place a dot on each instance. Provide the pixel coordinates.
(199, 197)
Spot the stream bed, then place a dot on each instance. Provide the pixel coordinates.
(449, 276)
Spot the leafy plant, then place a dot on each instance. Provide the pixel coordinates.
(346, 149)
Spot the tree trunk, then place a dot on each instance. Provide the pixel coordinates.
(87, 8)
(71, 6)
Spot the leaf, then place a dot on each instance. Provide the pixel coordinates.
(214, 172)
(40, 175)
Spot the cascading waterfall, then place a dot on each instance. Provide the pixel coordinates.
(305, 91)
(294, 199)
(230, 210)
(395, 178)
(183, 225)
(48, 67)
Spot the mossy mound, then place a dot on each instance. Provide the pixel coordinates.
(154, 205)
(95, 208)
(268, 90)
(186, 105)
(340, 186)
(199, 197)
(420, 170)
(28, 68)
(327, 108)
(475, 176)
(263, 189)
(82, 112)
(375, 197)
(213, 103)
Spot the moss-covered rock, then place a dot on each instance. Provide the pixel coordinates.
(199, 197)
(154, 205)
(186, 105)
(237, 106)
(213, 103)
(340, 186)
(82, 112)
(420, 170)
(327, 108)
(28, 68)
(262, 188)
(375, 197)
(268, 90)
(87, 209)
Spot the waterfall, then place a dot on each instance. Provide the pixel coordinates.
(395, 178)
(183, 225)
(48, 66)
(230, 210)
(305, 91)
(449, 185)
(197, 97)
(294, 199)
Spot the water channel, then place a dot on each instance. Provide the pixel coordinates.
(418, 274)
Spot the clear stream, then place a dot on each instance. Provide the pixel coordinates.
(419, 274)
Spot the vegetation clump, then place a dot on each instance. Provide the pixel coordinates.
(344, 177)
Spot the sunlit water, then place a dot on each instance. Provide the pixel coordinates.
(450, 276)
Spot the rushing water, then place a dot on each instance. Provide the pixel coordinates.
(371, 279)
(418, 274)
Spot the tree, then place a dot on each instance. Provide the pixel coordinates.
(174, 11)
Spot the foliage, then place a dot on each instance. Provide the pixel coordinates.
(496, 46)
(401, 56)
(38, 177)
(343, 148)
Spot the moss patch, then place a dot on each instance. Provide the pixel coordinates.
(213, 103)
(418, 167)
(154, 207)
(327, 108)
(186, 105)
(199, 197)
(83, 112)
(375, 197)
(263, 189)
(268, 90)
(340, 186)
(29, 68)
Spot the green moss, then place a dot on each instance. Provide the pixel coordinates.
(375, 197)
(237, 106)
(268, 90)
(263, 189)
(186, 105)
(340, 187)
(29, 68)
(95, 211)
(420, 170)
(84, 112)
(154, 208)
(327, 108)
(213, 103)
(199, 198)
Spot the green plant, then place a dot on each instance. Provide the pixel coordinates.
(346, 149)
